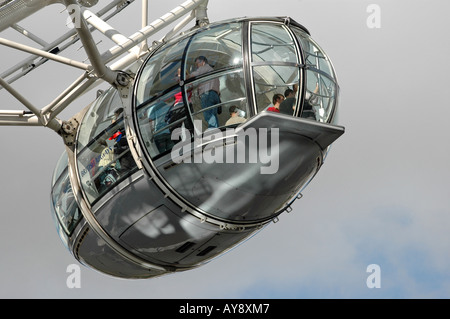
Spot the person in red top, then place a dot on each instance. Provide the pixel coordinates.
(277, 99)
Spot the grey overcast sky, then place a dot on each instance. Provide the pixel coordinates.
(381, 198)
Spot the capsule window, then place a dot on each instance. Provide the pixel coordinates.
(103, 154)
(273, 81)
(221, 46)
(161, 73)
(219, 98)
(272, 42)
(159, 118)
(65, 207)
(321, 84)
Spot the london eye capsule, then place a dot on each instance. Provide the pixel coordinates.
(199, 151)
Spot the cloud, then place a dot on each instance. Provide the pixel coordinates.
(381, 197)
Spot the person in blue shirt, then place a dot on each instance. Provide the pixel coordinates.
(157, 119)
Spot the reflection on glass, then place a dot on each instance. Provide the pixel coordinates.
(213, 109)
(197, 82)
(100, 116)
(154, 119)
(320, 97)
(208, 91)
(271, 80)
(105, 159)
(321, 87)
(314, 56)
(64, 205)
(161, 72)
(159, 118)
(272, 42)
(221, 45)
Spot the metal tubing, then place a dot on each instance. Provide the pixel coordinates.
(200, 13)
(144, 44)
(12, 113)
(44, 54)
(89, 45)
(103, 27)
(50, 106)
(72, 96)
(55, 43)
(54, 124)
(179, 26)
(151, 29)
(29, 35)
(20, 121)
(20, 97)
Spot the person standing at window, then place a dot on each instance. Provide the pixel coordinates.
(209, 91)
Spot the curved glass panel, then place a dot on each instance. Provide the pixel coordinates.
(99, 116)
(198, 81)
(211, 91)
(215, 98)
(105, 159)
(320, 97)
(221, 46)
(159, 118)
(64, 206)
(272, 42)
(314, 56)
(321, 84)
(272, 81)
(161, 72)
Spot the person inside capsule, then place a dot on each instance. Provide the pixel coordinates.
(235, 116)
(116, 160)
(288, 104)
(209, 91)
(121, 148)
(276, 100)
(157, 116)
(176, 114)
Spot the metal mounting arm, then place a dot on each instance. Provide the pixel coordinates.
(85, 35)
(94, 70)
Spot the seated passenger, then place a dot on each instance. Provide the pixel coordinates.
(277, 100)
(288, 105)
(235, 118)
(161, 134)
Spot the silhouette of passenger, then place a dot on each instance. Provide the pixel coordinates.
(277, 101)
(161, 133)
(209, 91)
(288, 105)
(235, 117)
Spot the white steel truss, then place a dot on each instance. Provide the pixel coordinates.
(85, 21)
